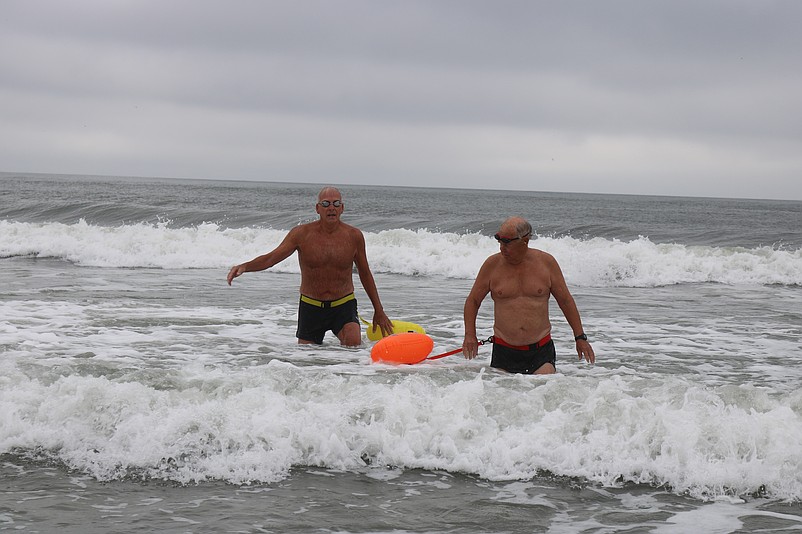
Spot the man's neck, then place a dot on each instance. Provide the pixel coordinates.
(328, 226)
(516, 259)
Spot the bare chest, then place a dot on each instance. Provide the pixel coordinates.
(334, 251)
(516, 282)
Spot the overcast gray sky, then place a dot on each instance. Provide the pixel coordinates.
(696, 97)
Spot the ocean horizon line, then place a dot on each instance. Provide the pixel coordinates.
(345, 185)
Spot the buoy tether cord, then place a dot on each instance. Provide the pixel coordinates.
(455, 351)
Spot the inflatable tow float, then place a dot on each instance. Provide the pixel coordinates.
(405, 347)
(375, 333)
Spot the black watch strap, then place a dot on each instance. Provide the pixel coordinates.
(581, 336)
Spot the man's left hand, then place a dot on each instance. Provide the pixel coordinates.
(382, 322)
(584, 350)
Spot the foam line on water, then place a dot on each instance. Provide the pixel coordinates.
(595, 262)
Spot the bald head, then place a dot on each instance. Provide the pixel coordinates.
(329, 191)
(516, 227)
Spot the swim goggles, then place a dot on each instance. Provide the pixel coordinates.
(508, 240)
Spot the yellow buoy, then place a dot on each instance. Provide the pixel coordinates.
(398, 328)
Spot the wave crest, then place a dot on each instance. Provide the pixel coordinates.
(595, 262)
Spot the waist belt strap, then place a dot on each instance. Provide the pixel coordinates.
(327, 303)
(533, 346)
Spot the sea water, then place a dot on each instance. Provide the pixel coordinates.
(139, 392)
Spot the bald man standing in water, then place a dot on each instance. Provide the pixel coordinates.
(327, 250)
(520, 280)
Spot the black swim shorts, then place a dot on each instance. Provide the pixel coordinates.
(314, 320)
(523, 360)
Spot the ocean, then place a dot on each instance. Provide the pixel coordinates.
(139, 392)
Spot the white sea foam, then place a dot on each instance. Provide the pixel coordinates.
(256, 424)
(177, 387)
(595, 262)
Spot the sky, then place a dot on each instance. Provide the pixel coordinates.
(674, 97)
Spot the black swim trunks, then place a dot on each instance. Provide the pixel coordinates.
(316, 317)
(526, 359)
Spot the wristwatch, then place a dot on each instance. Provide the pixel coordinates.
(581, 336)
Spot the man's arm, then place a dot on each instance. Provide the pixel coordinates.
(568, 306)
(380, 318)
(283, 251)
(480, 289)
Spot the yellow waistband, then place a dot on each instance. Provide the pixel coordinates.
(327, 303)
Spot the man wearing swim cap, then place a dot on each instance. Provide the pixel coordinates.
(521, 280)
(327, 250)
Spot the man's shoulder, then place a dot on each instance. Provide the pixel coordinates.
(351, 231)
(302, 229)
(493, 260)
(542, 257)
(350, 228)
(540, 254)
(303, 232)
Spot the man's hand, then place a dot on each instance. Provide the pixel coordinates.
(235, 271)
(584, 350)
(382, 322)
(470, 347)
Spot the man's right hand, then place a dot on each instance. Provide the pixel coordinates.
(470, 347)
(234, 272)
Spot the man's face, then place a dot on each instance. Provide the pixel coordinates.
(329, 206)
(510, 243)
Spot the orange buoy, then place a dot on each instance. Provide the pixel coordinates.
(407, 347)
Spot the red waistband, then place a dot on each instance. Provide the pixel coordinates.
(536, 345)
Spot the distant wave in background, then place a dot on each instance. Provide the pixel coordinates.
(592, 262)
(116, 201)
